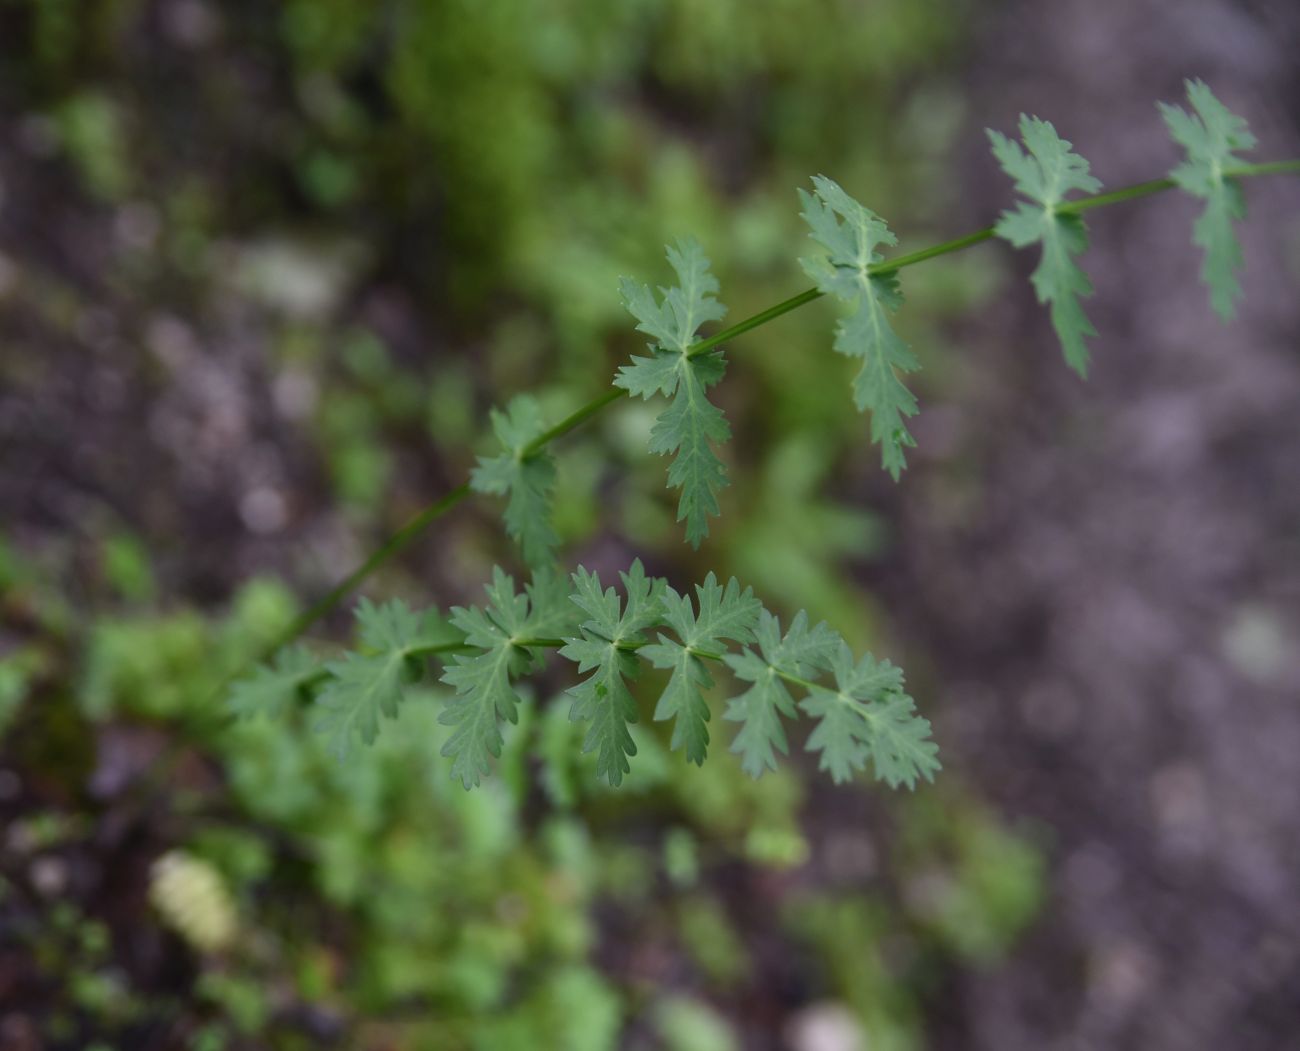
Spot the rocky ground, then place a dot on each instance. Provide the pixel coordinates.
(1114, 610)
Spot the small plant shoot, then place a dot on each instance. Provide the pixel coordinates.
(715, 646)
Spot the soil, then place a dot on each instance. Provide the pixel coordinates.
(1112, 601)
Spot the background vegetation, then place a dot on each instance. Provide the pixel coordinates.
(263, 270)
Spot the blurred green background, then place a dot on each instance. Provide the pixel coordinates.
(263, 270)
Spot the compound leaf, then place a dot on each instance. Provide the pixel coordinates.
(691, 425)
(1048, 172)
(672, 324)
(723, 613)
(550, 611)
(527, 478)
(802, 652)
(365, 686)
(869, 716)
(605, 649)
(482, 680)
(362, 689)
(850, 244)
(273, 688)
(1210, 136)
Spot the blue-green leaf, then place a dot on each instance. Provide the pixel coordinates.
(870, 717)
(723, 613)
(605, 648)
(1048, 172)
(691, 425)
(801, 653)
(484, 695)
(850, 244)
(367, 685)
(1210, 137)
(527, 478)
(273, 688)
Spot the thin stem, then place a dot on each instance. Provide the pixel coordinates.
(395, 544)
(440, 647)
(463, 647)
(888, 266)
(573, 420)
(794, 680)
(1246, 171)
(553, 644)
(761, 318)
(1128, 193)
(632, 647)
(400, 540)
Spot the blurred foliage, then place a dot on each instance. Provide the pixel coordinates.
(379, 904)
(376, 219)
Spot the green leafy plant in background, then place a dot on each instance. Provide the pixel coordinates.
(352, 891)
(863, 717)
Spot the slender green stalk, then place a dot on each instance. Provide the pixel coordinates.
(396, 543)
(1128, 193)
(632, 647)
(441, 647)
(400, 540)
(888, 266)
(761, 318)
(573, 420)
(553, 644)
(1245, 171)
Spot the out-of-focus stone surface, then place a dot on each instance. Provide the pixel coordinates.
(1117, 614)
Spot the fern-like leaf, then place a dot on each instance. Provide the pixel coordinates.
(369, 685)
(800, 653)
(273, 688)
(501, 633)
(551, 614)
(850, 243)
(691, 425)
(527, 478)
(1045, 174)
(723, 613)
(605, 648)
(1210, 136)
(869, 717)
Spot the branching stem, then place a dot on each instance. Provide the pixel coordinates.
(395, 544)
(400, 540)
(628, 647)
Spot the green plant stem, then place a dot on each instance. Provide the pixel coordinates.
(552, 644)
(437, 648)
(573, 420)
(888, 266)
(396, 543)
(440, 648)
(708, 655)
(761, 318)
(1245, 171)
(401, 539)
(1128, 193)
